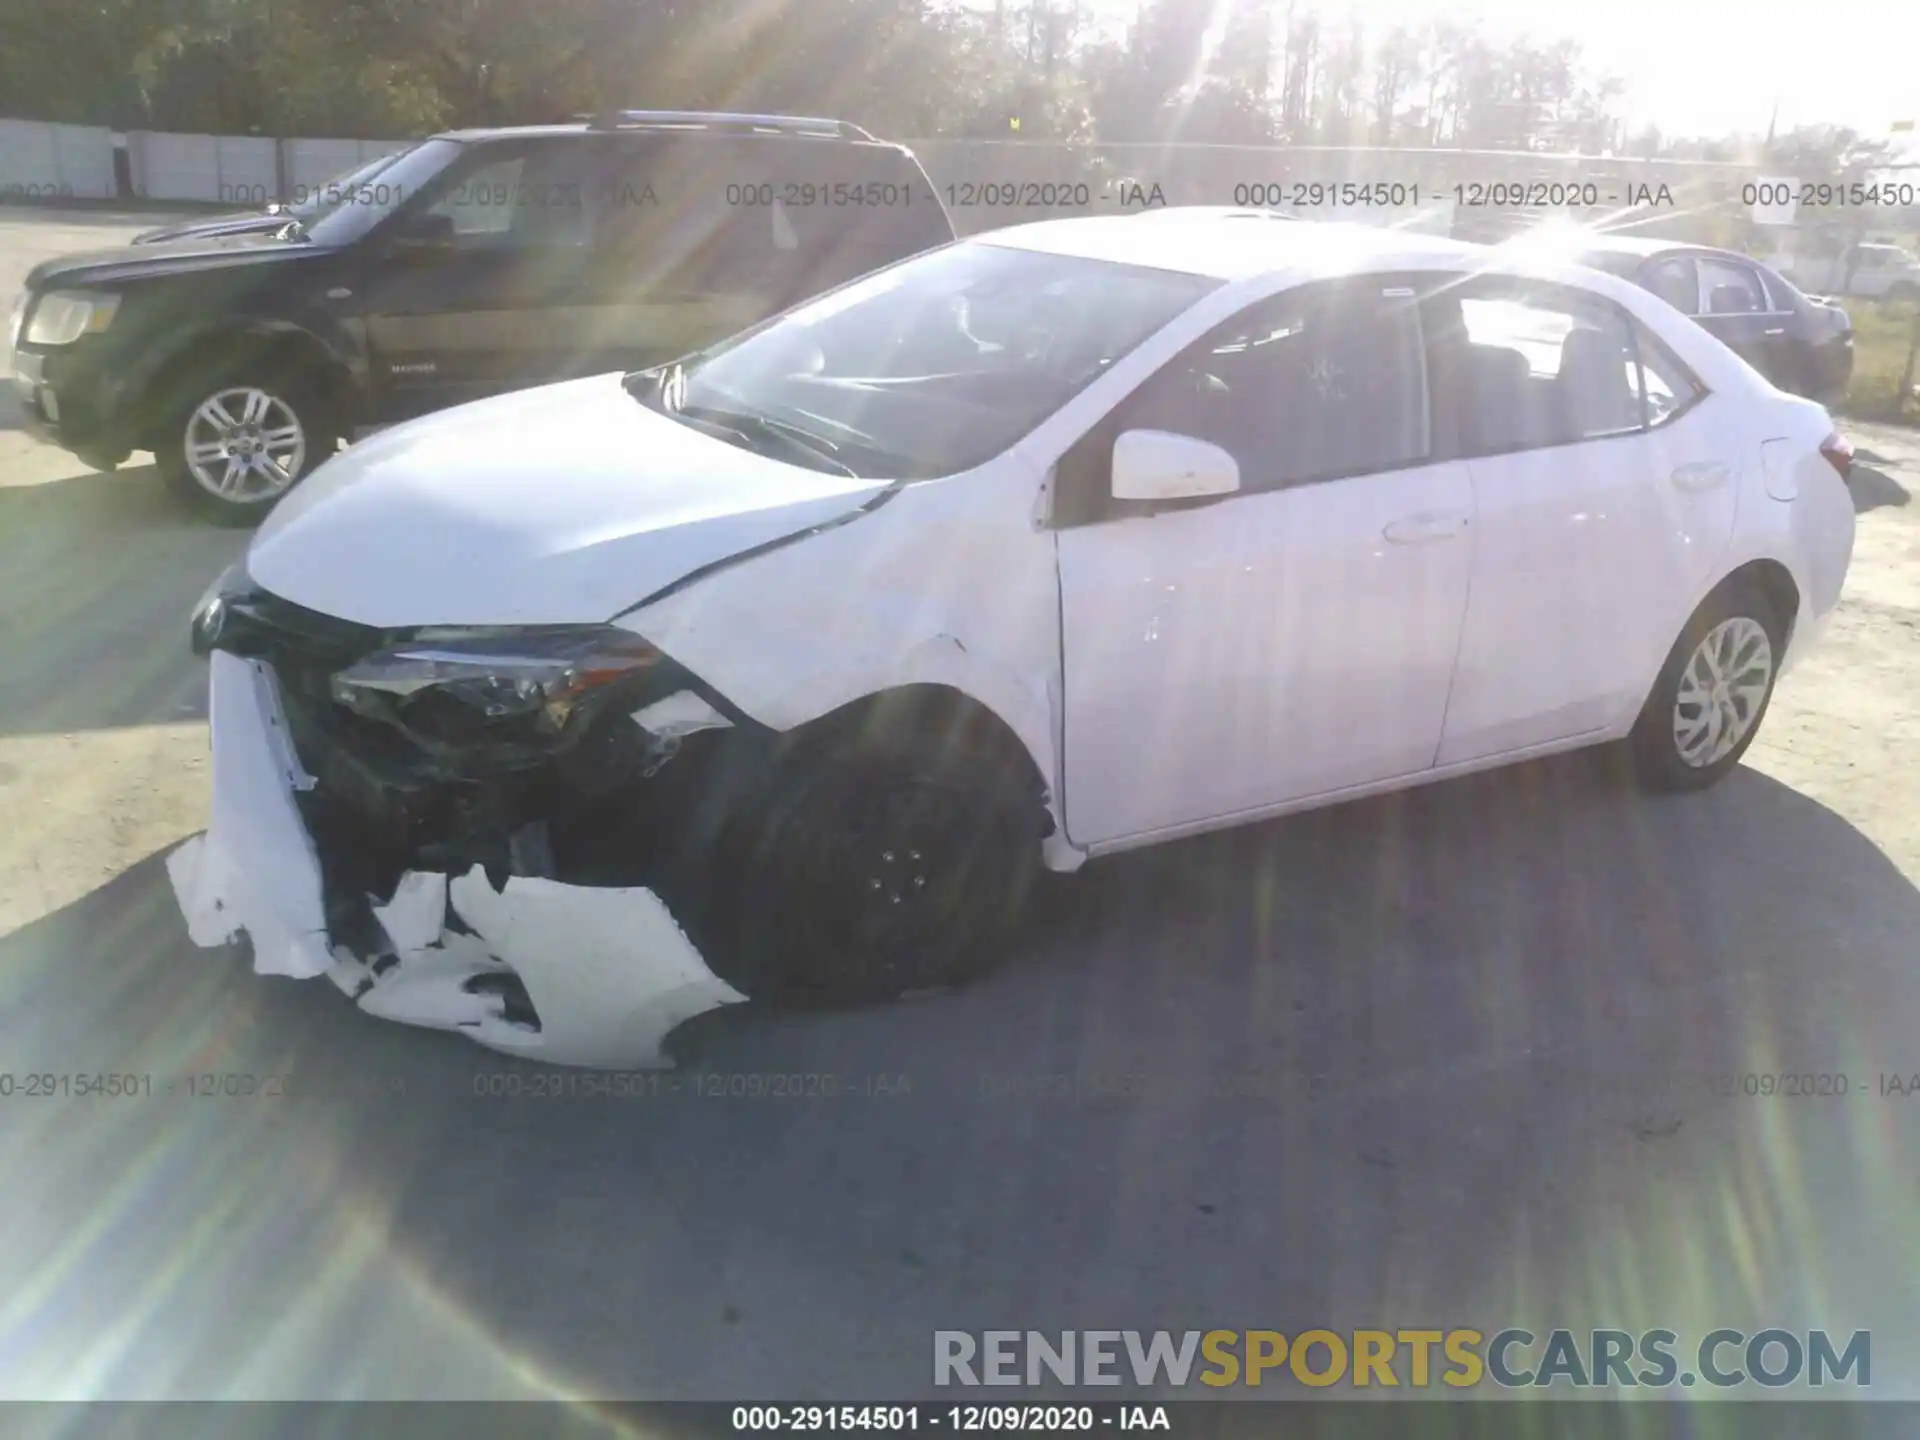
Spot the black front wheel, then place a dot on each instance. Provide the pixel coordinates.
(869, 873)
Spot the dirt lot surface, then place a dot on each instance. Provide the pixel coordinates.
(1414, 1061)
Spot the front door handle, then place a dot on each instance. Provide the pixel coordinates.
(1425, 529)
(1701, 475)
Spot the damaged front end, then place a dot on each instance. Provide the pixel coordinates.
(465, 828)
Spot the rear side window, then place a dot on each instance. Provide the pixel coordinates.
(1667, 385)
(1526, 366)
(1322, 382)
(1548, 371)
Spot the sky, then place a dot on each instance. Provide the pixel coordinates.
(1703, 67)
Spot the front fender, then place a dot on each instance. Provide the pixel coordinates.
(950, 583)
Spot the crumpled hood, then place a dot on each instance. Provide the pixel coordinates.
(557, 505)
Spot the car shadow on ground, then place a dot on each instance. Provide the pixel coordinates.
(1870, 486)
(1403, 1061)
(98, 575)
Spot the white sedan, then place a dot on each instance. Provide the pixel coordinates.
(778, 671)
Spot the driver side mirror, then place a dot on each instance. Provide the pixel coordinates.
(1159, 465)
(424, 233)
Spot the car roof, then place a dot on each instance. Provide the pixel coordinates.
(1231, 245)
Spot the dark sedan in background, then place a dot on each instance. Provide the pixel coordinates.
(1804, 346)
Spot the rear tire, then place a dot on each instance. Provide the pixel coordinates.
(241, 438)
(1711, 695)
(870, 871)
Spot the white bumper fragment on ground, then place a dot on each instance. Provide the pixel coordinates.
(609, 972)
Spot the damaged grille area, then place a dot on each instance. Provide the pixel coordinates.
(591, 801)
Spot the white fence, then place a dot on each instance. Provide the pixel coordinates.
(39, 162)
(238, 170)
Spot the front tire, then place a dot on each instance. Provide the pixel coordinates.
(1707, 705)
(872, 871)
(240, 441)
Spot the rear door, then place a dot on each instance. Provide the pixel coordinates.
(1604, 493)
(1735, 306)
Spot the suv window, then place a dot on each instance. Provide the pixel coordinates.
(1534, 365)
(1731, 288)
(538, 198)
(1322, 382)
(784, 217)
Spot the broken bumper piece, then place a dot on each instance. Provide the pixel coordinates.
(569, 974)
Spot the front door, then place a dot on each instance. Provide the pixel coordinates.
(481, 284)
(1290, 640)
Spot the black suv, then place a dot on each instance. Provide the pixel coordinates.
(476, 262)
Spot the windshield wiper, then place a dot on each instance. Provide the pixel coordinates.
(748, 425)
(295, 229)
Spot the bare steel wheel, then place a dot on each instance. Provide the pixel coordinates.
(1707, 704)
(1721, 690)
(239, 445)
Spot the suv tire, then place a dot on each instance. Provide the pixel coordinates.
(240, 439)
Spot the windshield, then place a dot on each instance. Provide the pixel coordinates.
(313, 201)
(932, 366)
(360, 211)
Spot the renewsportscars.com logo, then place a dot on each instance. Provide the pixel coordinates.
(1416, 1359)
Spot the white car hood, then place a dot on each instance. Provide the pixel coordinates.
(561, 504)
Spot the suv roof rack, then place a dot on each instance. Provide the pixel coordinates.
(728, 122)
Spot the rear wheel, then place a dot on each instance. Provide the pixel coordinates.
(873, 871)
(241, 441)
(1712, 693)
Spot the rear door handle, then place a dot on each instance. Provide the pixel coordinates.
(1425, 529)
(1701, 475)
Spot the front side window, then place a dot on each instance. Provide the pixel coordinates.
(542, 198)
(1319, 383)
(1540, 366)
(1731, 288)
(934, 365)
(411, 172)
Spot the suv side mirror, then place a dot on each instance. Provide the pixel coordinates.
(1159, 465)
(425, 232)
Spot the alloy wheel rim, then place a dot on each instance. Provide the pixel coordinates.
(1722, 688)
(245, 444)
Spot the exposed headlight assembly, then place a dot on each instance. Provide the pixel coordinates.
(61, 317)
(462, 684)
